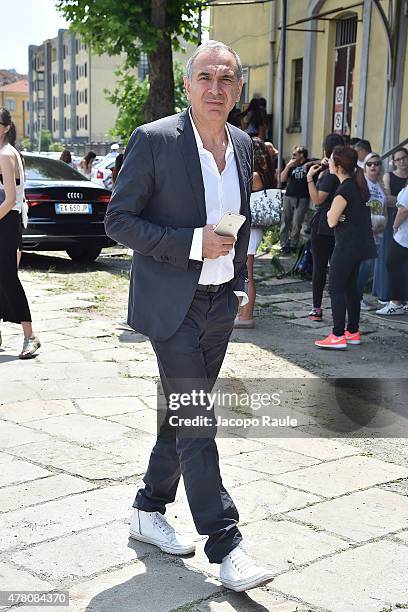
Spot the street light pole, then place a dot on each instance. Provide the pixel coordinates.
(282, 74)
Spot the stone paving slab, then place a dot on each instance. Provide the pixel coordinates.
(370, 578)
(359, 516)
(260, 499)
(259, 600)
(272, 460)
(144, 420)
(13, 470)
(14, 578)
(277, 545)
(41, 490)
(29, 410)
(76, 460)
(57, 371)
(81, 428)
(64, 516)
(342, 476)
(10, 433)
(319, 448)
(86, 553)
(108, 406)
(134, 588)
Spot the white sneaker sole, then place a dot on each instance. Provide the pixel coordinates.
(167, 549)
(338, 347)
(354, 342)
(245, 585)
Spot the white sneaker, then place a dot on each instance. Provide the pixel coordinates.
(365, 305)
(391, 309)
(31, 345)
(240, 572)
(153, 528)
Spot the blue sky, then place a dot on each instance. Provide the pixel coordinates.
(28, 22)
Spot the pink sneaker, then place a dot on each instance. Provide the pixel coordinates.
(352, 338)
(332, 342)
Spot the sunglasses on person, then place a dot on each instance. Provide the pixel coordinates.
(401, 158)
(376, 164)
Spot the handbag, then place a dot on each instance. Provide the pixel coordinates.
(266, 206)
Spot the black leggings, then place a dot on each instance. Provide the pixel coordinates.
(322, 249)
(13, 302)
(344, 295)
(396, 260)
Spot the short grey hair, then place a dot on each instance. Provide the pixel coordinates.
(213, 45)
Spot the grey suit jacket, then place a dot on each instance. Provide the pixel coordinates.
(157, 202)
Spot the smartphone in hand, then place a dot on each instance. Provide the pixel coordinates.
(229, 224)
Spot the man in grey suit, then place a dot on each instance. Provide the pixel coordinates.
(180, 175)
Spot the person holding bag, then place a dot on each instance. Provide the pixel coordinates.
(264, 213)
(13, 302)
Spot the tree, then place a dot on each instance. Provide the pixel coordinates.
(45, 139)
(133, 26)
(130, 96)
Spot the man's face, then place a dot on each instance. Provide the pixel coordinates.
(214, 88)
(298, 156)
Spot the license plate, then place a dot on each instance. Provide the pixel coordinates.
(73, 208)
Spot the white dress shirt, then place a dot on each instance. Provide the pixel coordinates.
(222, 194)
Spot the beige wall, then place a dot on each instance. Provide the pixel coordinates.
(102, 113)
(246, 29)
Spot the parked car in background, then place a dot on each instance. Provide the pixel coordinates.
(66, 211)
(101, 172)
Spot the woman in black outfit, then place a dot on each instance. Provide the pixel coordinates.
(322, 236)
(13, 302)
(351, 219)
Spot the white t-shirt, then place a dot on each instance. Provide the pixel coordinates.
(401, 235)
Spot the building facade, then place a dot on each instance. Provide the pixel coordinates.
(14, 97)
(346, 66)
(67, 86)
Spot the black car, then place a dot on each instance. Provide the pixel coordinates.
(65, 210)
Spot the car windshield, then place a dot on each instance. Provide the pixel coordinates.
(46, 169)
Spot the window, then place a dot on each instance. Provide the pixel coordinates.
(77, 122)
(143, 67)
(297, 92)
(86, 96)
(10, 104)
(85, 68)
(86, 122)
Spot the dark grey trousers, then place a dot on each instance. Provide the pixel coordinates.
(194, 353)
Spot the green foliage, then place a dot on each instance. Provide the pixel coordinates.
(45, 139)
(26, 144)
(113, 26)
(56, 146)
(130, 96)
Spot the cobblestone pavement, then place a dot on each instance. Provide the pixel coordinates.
(329, 516)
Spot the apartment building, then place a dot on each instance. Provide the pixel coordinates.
(14, 96)
(346, 66)
(67, 86)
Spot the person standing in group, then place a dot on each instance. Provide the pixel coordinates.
(394, 182)
(363, 148)
(350, 217)
(66, 157)
(295, 200)
(398, 258)
(322, 236)
(85, 165)
(263, 178)
(378, 206)
(13, 302)
(256, 118)
(180, 175)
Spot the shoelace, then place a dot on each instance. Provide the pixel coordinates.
(240, 559)
(162, 524)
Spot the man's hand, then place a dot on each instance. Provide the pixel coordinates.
(214, 245)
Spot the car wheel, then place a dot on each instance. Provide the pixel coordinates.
(82, 254)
